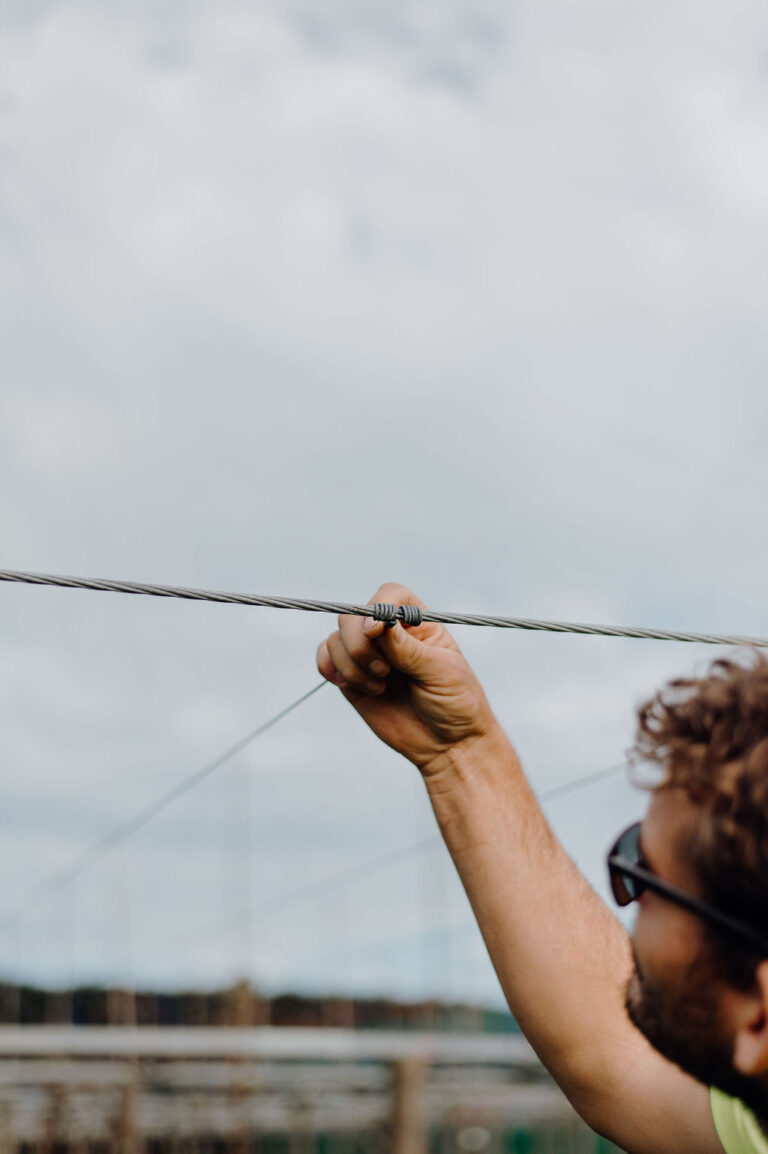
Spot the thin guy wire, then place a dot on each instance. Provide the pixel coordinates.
(132, 825)
(367, 610)
(289, 899)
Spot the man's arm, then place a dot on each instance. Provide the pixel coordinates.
(561, 957)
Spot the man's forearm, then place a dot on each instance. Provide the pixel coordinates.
(562, 958)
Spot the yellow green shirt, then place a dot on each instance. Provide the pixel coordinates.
(736, 1126)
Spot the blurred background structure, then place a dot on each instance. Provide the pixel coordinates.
(279, 1090)
(296, 300)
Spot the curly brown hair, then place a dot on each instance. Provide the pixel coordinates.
(709, 736)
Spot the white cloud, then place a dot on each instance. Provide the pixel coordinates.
(297, 301)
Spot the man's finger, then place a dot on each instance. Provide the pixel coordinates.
(409, 655)
(373, 628)
(352, 674)
(361, 647)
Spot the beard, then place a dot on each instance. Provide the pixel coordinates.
(680, 1022)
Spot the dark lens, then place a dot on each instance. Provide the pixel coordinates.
(622, 886)
(628, 845)
(626, 888)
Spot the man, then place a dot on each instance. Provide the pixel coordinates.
(635, 1031)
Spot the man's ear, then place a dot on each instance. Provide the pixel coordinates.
(750, 1046)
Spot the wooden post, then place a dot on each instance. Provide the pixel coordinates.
(121, 1007)
(127, 1140)
(53, 1125)
(7, 1139)
(409, 1121)
(239, 1012)
(239, 1005)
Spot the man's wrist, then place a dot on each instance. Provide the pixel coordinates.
(465, 763)
(480, 795)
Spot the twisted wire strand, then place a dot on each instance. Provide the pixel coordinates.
(311, 606)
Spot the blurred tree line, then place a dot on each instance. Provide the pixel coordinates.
(238, 1005)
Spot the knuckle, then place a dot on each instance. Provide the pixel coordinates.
(336, 653)
(390, 591)
(359, 649)
(343, 662)
(397, 593)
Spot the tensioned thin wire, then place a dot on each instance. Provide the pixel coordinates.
(368, 611)
(137, 821)
(268, 908)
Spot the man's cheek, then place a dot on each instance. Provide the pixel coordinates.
(660, 943)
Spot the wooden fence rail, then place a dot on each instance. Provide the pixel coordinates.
(91, 1090)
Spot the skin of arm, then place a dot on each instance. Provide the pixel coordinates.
(561, 957)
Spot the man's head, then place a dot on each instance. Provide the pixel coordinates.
(698, 993)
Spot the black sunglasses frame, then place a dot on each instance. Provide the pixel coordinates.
(620, 867)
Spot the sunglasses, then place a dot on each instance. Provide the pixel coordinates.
(630, 877)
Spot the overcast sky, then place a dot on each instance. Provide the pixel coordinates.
(466, 294)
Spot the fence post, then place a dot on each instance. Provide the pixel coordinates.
(127, 1138)
(409, 1119)
(7, 1140)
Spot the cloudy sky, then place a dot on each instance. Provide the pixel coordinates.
(466, 294)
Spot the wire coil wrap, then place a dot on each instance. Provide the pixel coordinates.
(409, 614)
(383, 611)
(391, 614)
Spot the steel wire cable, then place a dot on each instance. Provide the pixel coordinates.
(137, 821)
(342, 607)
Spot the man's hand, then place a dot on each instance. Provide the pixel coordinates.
(412, 686)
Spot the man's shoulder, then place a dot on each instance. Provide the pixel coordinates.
(737, 1128)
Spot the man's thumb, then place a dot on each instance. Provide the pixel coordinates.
(406, 653)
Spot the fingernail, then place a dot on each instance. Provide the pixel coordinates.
(340, 681)
(370, 624)
(379, 668)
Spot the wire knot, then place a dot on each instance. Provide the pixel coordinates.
(390, 614)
